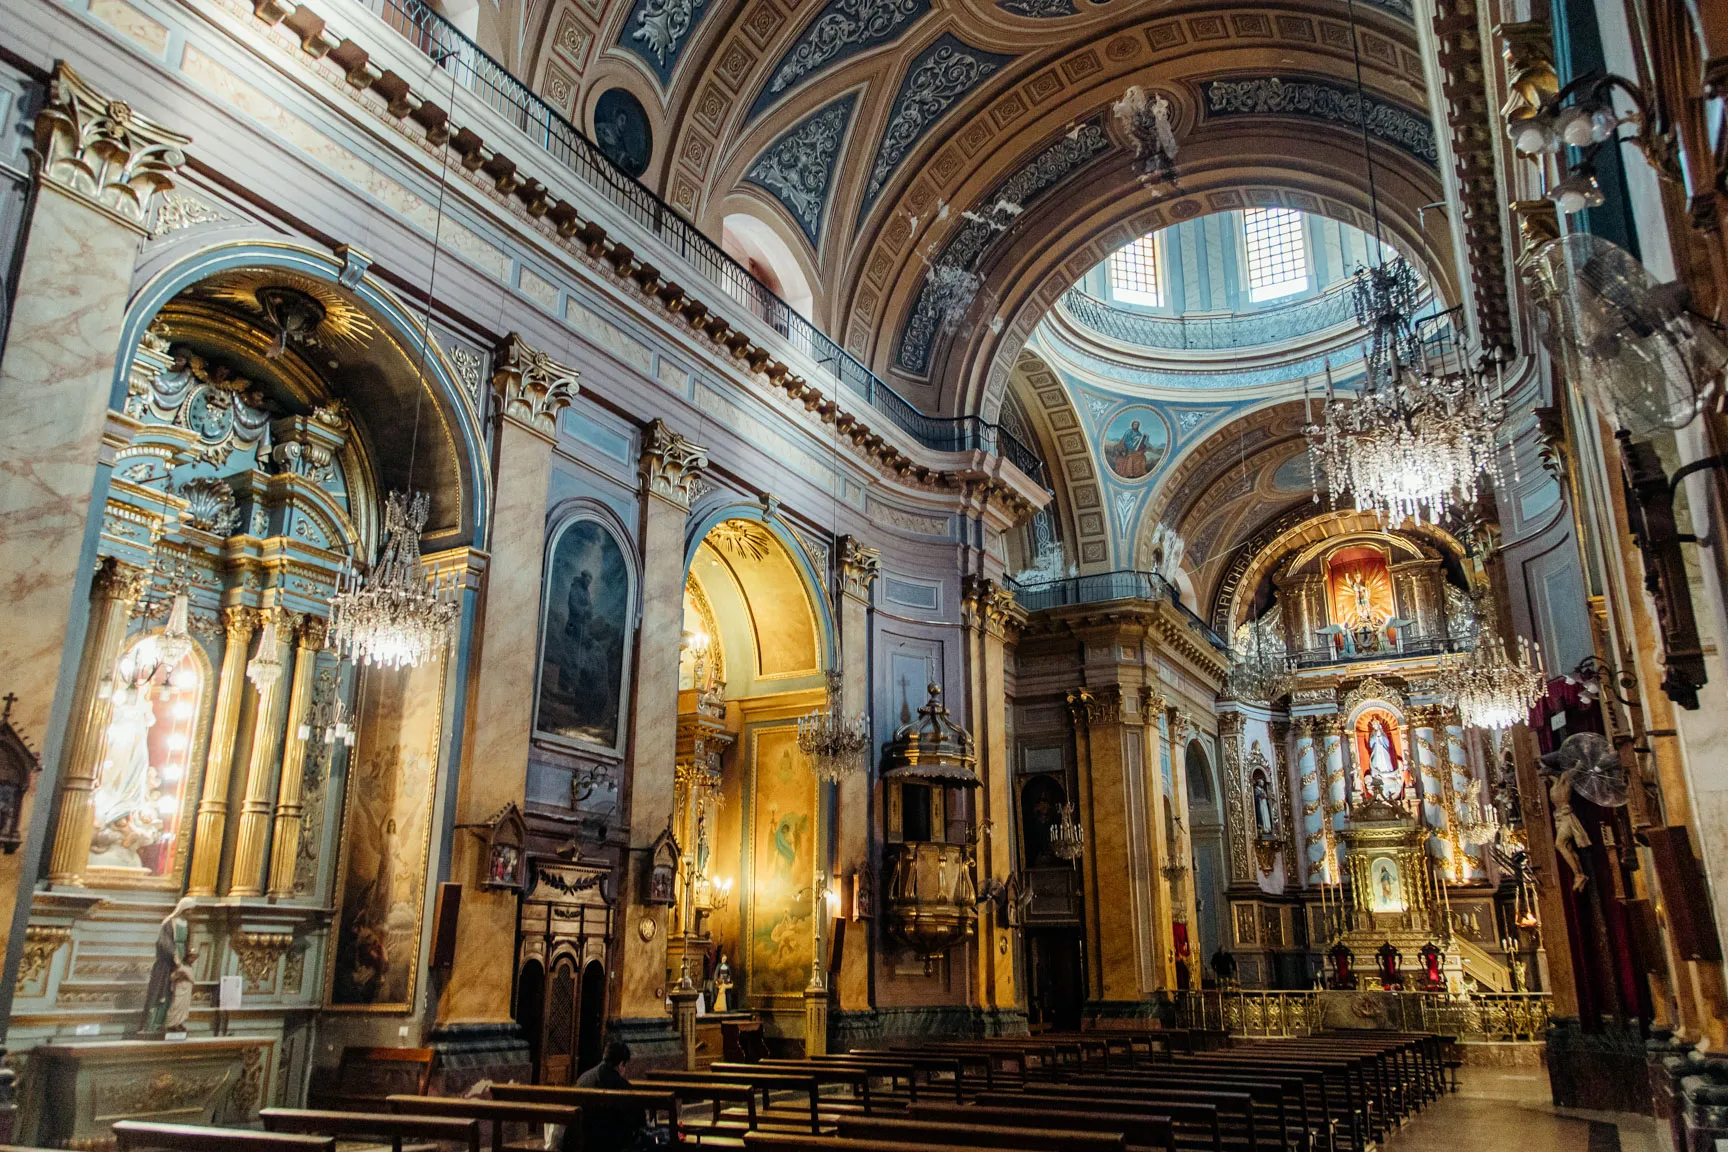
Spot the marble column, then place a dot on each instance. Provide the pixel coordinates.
(990, 615)
(98, 168)
(238, 624)
(116, 589)
(858, 569)
(1315, 830)
(531, 390)
(257, 804)
(669, 464)
(1436, 791)
(1337, 759)
(290, 808)
(1457, 767)
(1167, 816)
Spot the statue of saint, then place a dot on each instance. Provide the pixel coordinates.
(1262, 807)
(722, 985)
(168, 997)
(1384, 777)
(1569, 833)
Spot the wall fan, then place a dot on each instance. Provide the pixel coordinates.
(1601, 779)
(1643, 359)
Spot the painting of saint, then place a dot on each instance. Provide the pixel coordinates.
(621, 129)
(783, 834)
(585, 633)
(1135, 443)
(381, 880)
(1386, 892)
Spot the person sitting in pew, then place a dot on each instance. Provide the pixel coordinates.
(613, 1129)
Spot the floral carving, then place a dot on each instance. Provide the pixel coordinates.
(799, 166)
(662, 25)
(945, 72)
(670, 462)
(1322, 100)
(40, 943)
(844, 28)
(175, 211)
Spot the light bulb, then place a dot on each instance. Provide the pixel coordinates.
(177, 742)
(1530, 136)
(1603, 121)
(1574, 126)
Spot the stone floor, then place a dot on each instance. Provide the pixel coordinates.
(1509, 1108)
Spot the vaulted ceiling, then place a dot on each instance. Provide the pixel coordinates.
(847, 125)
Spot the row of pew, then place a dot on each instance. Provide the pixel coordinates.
(1104, 1091)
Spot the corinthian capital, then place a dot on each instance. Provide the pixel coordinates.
(100, 151)
(532, 387)
(859, 567)
(115, 579)
(669, 463)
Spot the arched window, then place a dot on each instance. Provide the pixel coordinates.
(1199, 777)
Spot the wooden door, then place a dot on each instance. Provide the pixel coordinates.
(558, 1040)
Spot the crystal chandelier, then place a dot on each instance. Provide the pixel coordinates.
(1421, 434)
(1257, 672)
(1491, 688)
(833, 741)
(1067, 837)
(392, 616)
(265, 668)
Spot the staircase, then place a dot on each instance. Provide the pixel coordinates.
(1489, 973)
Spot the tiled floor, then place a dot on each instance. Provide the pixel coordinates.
(1509, 1108)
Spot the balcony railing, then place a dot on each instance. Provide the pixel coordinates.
(1414, 647)
(1480, 1016)
(483, 76)
(1122, 584)
(1204, 333)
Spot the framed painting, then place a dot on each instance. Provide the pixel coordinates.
(585, 628)
(782, 864)
(1135, 443)
(1385, 885)
(374, 963)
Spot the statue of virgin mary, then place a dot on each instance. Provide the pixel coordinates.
(1385, 780)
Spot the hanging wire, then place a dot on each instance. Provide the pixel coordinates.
(1362, 122)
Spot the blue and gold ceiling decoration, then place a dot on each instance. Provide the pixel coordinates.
(1406, 129)
(658, 31)
(797, 169)
(841, 30)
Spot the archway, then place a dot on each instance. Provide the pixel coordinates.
(1206, 833)
(749, 815)
(591, 1017)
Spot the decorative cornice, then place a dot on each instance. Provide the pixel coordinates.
(101, 152)
(532, 388)
(670, 462)
(987, 605)
(115, 579)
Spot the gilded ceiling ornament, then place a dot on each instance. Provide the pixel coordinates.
(744, 539)
(279, 298)
(798, 167)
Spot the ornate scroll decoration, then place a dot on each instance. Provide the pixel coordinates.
(41, 941)
(669, 463)
(258, 953)
(1371, 689)
(986, 605)
(175, 211)
(798, 167)
(1400, 127)
(660, 29)
(219, 411)
(859, 567)
(210, 505)
(941, 75)
(314, 772)
(1039, 9)
(100, 151)
(1235, 808)
(532, 387)
(843, 29)
(468, 365)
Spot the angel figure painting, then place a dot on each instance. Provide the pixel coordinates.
(782, 864)
(1380, 769)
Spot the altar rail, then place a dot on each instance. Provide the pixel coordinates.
(1264, 1013)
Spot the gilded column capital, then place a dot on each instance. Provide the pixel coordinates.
(670, 462)
(1304, 727)
(1155, 702)
(1531, 80)
(986, 604)
(532, 388)
(239, 622)
(313, 632)
(1424, 716)
(1081, 706)
(116, 579)
(859, 567)
(101, 152)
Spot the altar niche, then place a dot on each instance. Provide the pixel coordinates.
(748, 815)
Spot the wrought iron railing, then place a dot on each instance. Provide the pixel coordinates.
(1203, 333)
(1122, 584)
(1416, 646)
(470, 67)
(1480, 1016)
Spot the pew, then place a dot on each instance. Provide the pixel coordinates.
(141, 1136)
(1192, 1123)
(364, 1077)
(654, 1102)
(392, 1127)
(1232, 1110)
(752, 1077)
(497, 1113)
(799, 1142)
(1141, 1130)
(956, 1135)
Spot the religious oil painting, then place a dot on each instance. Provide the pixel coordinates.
(782, 834)
(153, 752)
(387, 824)
(585, 635)
(621, 129)
(1135, 443)
(1380, 768)
(1385, 887)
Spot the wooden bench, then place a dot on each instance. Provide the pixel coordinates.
(1140, 1130)
(365, 1077)
(798, 1142)
(877, 1067)
(652, 1102)
(954, 1135)
(1193, 1121)
(140, 1136)
(393, 1127)
(497, 1113)
(764, 1082)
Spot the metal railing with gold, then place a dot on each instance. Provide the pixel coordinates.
(1269, 1013)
